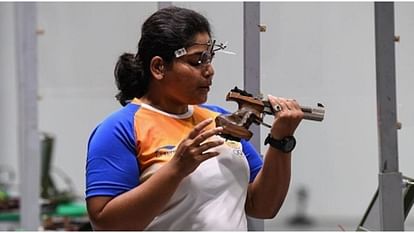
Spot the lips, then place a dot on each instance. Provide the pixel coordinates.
(205, 85)
(206, 88)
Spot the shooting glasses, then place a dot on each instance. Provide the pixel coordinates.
(206, 56)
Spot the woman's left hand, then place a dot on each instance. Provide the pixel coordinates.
(287, 118)
(268, 190)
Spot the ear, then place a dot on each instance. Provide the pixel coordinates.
(157, 67)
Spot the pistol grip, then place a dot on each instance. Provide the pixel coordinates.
(231, 130)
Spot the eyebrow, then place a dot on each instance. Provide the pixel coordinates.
(201, 43)
(195, 53)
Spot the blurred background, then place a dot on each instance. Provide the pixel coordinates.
(311, 51)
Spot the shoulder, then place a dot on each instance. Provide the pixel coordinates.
(118, 124)
(124, 115)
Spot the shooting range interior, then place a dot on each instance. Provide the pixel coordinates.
(351, 171)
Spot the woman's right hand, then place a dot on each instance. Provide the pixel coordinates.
(193, 150)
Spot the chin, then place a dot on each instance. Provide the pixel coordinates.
(197, 101)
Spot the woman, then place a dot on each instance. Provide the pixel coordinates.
(159, 163)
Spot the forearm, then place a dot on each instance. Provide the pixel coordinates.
(135, 209)
(267, 192)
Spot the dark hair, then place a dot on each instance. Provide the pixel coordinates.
(162, 33)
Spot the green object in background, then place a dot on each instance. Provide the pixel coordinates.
(3, 195)
(12, 216)
(71, 210)
(62, 210)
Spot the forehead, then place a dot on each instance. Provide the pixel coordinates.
(200, 38)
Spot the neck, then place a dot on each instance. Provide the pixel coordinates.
(165, 105)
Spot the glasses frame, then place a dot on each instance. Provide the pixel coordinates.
(206, 56)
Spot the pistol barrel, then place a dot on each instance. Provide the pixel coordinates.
(314, 114)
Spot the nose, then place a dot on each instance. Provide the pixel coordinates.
(208, 71)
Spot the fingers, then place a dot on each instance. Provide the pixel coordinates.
(199, 134)
(195, 149)
(196, 142)
(290, 104)
(206, 134)
(208, 145)
(208, 155)
(201, 146)
(287, 118)
(198, 128)
(284, 105)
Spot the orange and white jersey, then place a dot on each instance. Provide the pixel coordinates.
(134, 142)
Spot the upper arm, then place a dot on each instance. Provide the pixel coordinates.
(95, 205)
(112, 166)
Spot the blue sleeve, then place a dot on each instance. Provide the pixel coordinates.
(112, 166)
(253, 156)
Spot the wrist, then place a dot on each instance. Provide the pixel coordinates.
(285, 144)
(174, 171)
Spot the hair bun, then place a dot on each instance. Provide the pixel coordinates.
(128, 74)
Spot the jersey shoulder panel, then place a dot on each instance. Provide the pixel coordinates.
(111, 166)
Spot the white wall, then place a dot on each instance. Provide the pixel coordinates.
(77, 54)
(324, 52)
(405, 71)
(313, 52)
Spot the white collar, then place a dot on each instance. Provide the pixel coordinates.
(185, 115)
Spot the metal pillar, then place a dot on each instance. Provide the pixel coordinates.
(251, 60)
(28, 135)
(390, 179)
(251, 22)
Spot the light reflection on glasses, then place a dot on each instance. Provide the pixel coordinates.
(205, 58)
